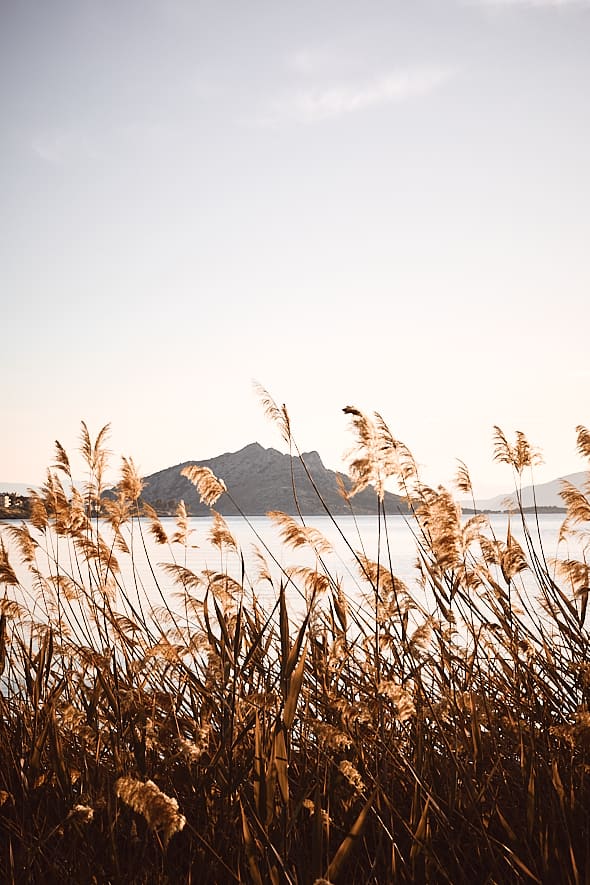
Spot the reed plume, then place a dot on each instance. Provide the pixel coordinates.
(209, 487)
(159, 810)
(290, 720)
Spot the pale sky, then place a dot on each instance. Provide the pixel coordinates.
(384, 204)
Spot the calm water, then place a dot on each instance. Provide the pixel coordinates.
(261, 533)
(362, 534)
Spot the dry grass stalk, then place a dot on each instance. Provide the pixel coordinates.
(355, 740)
(209, 487)
(159, 810)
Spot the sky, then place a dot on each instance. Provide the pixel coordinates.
(384, 204)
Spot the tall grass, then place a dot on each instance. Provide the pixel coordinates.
(432, 733)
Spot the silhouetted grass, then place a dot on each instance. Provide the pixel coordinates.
(433, 733)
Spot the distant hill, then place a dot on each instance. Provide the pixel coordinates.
(259, 480)
(19, 488)
(546, 495)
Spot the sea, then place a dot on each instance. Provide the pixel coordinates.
(260, 547)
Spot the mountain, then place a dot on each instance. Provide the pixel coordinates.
(259, 480)
(546, 495)
(19, 488)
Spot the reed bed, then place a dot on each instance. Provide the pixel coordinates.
(433, 733)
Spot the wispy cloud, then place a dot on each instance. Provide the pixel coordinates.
(314, 105)
(318, 60)
(137, 137)
(58, 147)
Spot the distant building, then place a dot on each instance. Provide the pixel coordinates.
(14, 506)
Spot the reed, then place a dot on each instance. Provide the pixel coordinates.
(438, 732)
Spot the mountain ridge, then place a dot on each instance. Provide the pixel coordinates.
(166, 487)
(546, 494)
(259, 480)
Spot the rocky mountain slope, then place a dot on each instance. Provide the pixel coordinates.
(259, 480)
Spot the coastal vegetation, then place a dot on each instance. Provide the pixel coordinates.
(14, 506)
(373, 732)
